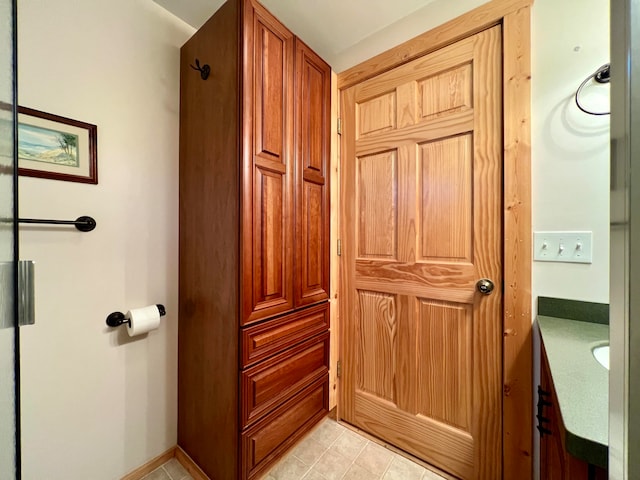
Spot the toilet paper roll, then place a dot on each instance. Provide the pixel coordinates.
(142, 320)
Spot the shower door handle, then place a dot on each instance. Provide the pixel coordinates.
(26, 293)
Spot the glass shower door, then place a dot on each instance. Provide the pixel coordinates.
(9, 405)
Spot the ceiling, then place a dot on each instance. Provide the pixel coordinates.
(343, 32)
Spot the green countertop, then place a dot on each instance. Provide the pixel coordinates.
(581, 384)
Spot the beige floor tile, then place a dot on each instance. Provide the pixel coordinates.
(374, 458)
(403, 469)
(332, 465)
(309, 451)
(313, 475)
(289, 468)
(175, 470)
(429, 475)
(356, 472)
(157, 474)
(328, 453)
(327, 432)
(349, 445)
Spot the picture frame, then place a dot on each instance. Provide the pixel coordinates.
(57, 148)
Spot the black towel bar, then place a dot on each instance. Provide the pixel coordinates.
(84, 223)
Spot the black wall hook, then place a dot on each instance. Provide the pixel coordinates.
(205, 70)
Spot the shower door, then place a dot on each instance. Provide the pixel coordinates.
(9, 405)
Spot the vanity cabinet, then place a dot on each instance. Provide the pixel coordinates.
(555, 462)
(253, 343)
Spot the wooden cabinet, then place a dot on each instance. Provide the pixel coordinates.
(254, 242)
(555, 462)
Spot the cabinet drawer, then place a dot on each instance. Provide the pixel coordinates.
(262, 341)
(273, 381)
(263, 443)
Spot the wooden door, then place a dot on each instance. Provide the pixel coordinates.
(313, 110)
(421, 224)
(267, 203)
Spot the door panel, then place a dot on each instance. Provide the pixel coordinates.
(447, 92)
(377, 114)
(268, 189)
(377, 206)
(378, 329)
(444, 361)
(421, 187)
(446, 183)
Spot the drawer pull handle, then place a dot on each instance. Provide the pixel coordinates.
(543, 431)
(542, 419)
(543, 403)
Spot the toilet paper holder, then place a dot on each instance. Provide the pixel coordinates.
(116, 319)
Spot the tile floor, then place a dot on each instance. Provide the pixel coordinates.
(332, 452)
(329, 452)
(172, 470)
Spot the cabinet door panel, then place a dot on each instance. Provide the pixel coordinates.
(313, 103)
(267, 229)
(270, 85)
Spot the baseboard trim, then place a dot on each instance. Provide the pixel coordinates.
(189, 465)
(151, 465)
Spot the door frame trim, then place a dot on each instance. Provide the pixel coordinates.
(515, 18)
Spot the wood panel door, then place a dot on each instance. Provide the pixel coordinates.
(267, 228)
(421, 224)
(313, 105)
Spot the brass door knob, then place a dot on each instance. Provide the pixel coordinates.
(485, 286)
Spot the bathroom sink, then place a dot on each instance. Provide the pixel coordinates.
(601, 354)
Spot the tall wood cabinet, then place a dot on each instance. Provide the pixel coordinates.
(254, 242)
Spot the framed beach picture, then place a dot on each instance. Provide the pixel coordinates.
(58, 148)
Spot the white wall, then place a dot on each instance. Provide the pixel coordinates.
(570, 150)
(96, 405)
(422, 20)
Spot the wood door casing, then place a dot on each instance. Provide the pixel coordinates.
(421, 216)
(313, 105)
(268, 167)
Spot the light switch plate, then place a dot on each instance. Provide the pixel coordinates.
(572, 247)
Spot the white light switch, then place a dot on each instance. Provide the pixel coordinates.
(573, 247)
